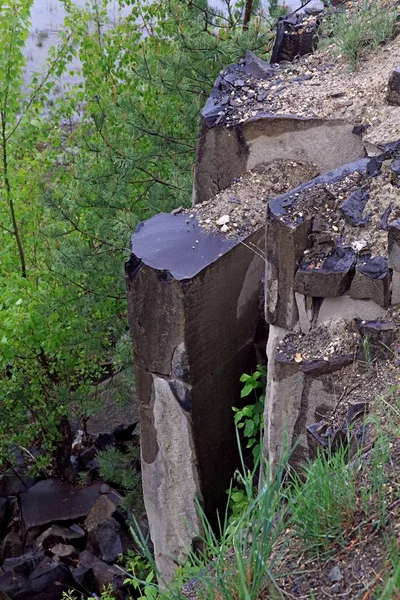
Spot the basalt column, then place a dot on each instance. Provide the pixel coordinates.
(193, 305)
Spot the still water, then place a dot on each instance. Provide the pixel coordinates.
(47, 19)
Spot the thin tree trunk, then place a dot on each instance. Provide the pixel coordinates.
(247, 14)
(9, 198)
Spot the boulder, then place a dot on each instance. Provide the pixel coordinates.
(103, 574)
(56, 534)
(393, 91)
(103, 509)
(297, 34)
(50, 501)
(372, 280)
(326, 276)
(104, 540)
(12, 484)
(11, 546)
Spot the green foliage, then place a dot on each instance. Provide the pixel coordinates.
(76, 176)
(330, 489)
(236, 562)
(368, 25)
(120, 469)
(141, 576)
(250, 418)
(106, 594)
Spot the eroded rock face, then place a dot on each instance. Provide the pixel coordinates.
(243, 126)
(342, 269)
(188, 352)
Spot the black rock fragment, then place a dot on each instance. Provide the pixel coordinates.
(353, 207)
(256, 67)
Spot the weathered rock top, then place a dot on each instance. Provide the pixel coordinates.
(350, 207)
(241, 208)
(316, 86)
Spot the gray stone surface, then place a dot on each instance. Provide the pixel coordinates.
(394, 245)
(188, 356)
(225, 153)
(396, 287)
(49, 501)
(285, 245)
(347, 308)
(298, 394)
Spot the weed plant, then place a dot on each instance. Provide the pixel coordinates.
(369, 26)
(323, 505)
(235, 562)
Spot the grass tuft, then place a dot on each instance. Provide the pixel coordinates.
(368, 26)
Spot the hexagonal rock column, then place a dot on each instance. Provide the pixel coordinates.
(331, 257)
(300, 391)
(193, 301)
(241, 128)
(293, 222)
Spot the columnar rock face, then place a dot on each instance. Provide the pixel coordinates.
(193, 288)
(193, 298)
(332, 259)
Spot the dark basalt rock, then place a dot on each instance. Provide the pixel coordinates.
(3, 513)
(182, 394)
(256, 67)
(372, 280)
(105, 541)
(104, 574)
(297, 34)
(326, 276)
(47, 581)
(50, 501)
(380, 336)
(384, 222)
(12, 484)
(11, 546)
(395, 173)
(353, 207)
(393, 91)
(394, 245)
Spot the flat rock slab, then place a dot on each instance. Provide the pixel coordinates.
(50, 501)
(176, 246)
